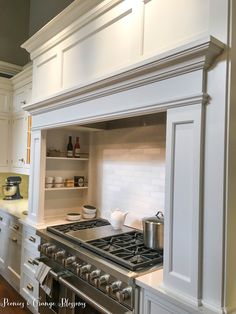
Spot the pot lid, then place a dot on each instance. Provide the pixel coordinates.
(158, 218)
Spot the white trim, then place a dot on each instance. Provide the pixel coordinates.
(22, 78)
(9, 68)
(75, 16)
(191, 57)
(147, 109)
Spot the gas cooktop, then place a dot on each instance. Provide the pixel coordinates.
(124, 247)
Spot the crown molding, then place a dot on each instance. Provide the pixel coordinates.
(191, 57)
(9, 68)
(22, 78)
(75, 16)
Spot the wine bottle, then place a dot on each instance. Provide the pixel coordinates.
(77, 148)
(70, 148)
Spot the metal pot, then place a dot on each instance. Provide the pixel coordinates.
(153, 231)
(9, 189)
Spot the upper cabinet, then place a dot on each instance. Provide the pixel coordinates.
(110, 37)
(15, 123)
(21, 121)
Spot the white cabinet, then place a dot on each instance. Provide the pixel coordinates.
(29, 287)
(21, 97)
(10, 249)
(151, 303)
(4, 221)
(5, 129)
(19, 144)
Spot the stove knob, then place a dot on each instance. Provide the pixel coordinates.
(85, 269)
(43, 246)
(50, 249)
(59, 254)
(68, 261)
(101, 281)
(94, 274)
(114, 287)
(124, 294)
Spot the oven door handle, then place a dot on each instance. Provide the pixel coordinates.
(83, 296)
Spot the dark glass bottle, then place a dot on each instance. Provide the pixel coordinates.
(70, 148)
(77, 148)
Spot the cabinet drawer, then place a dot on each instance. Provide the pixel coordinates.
(30, 239)
(4, 219)
(29, 288)
(15, 226)
(27, 261)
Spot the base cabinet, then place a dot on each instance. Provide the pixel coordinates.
(151, 303)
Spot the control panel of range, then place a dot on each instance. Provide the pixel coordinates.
(103, 281)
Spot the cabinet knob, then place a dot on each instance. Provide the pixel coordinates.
(32, 239)
(23, 102)
(1, 219)
(21, 160)
(16, 227)
(30, 287)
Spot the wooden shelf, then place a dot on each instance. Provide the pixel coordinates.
(66, 158)
(65, 188)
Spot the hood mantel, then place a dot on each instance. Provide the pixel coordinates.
(197, 55)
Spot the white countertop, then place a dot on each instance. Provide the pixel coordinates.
(151, 281)
(15, 208)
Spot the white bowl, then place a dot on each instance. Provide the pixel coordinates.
(73, 216)
(89, 216)
(49, 185)
(58, 180)
(88, 209)
(58, 185)
(49, 179)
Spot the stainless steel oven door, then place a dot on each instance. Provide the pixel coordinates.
(88, 300)
(72, 295)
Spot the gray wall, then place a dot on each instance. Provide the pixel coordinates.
(14, 30)
(42, 11)
(20, 19)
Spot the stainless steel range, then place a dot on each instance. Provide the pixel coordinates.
(97, 264)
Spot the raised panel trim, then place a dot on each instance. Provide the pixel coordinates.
(189, 285)
(66, 23)
(188, 58)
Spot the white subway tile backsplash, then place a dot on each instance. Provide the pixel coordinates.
(130, 170)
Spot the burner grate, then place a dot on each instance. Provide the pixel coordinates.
(127, 250)
(64, 229)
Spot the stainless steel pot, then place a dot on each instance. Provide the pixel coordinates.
(153, 231)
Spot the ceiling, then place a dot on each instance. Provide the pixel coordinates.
(20, 19)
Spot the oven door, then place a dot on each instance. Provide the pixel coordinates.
(86, 299)
(72, 295)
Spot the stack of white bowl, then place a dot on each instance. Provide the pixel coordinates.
(89, 211)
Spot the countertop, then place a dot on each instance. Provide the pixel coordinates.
(151, 281)
(15, 208)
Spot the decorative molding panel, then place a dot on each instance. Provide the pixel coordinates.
(37, 176)
(9, 68)
(183, 206)
(185, 59)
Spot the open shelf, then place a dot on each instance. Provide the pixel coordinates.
(65, 188)
(66, 158)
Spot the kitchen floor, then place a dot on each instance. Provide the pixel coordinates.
(9, 295)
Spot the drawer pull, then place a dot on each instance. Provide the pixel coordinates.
(30, 287)
(16, 227)
(1, 219)
(32, 239)
(0, 230)
(14, 240)
(31, 261)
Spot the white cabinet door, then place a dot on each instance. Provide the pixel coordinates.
(3, 246)
(14, 259)
(4, 141)
(21, 97)
(19, 142)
